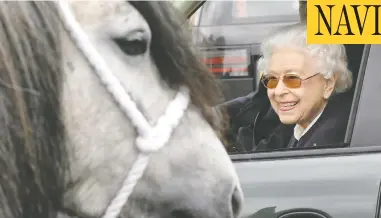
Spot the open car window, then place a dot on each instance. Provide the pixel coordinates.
(229, 36)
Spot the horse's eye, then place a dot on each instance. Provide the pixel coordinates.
(131, 47)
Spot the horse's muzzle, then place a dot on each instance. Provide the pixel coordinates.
(219, 202)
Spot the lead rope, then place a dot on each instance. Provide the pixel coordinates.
(150, 139)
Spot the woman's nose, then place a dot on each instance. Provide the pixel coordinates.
(280, 89)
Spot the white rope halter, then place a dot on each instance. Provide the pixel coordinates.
(150, 139)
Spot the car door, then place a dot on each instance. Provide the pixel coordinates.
(337, 182)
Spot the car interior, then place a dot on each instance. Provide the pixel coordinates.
(263, 120)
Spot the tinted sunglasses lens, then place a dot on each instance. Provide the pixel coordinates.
(270, 82)
(292, 81)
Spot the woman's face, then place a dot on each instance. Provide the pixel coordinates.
(297, 105)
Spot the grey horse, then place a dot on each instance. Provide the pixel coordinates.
(65, 144)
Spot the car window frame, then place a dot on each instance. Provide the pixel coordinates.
(366, 77)
(357, 94)
(244, 21)
(366, 128)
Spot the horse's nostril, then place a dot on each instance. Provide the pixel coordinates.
(181, 214)
(236, 202)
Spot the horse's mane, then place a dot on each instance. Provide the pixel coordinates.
(33, 157)
(177, 62)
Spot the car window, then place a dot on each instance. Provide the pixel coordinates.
(231, 32)
(228, 62)
(257, 128)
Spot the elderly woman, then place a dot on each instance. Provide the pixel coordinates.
(305, 85)
(300, 80)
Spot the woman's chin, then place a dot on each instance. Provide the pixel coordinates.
(287, 120)
(288, 117)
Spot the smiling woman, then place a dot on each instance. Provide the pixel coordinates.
(304, 82)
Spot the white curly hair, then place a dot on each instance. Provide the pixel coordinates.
(332, 57)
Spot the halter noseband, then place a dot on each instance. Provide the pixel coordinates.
(150, 139)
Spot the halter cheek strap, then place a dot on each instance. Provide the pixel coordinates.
(150, 139)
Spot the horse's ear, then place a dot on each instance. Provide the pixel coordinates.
(303, 10)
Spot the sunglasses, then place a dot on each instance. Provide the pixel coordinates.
(290, 81)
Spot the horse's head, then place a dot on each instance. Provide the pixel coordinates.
(67, 146)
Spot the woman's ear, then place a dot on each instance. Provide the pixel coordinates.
(329, 86)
